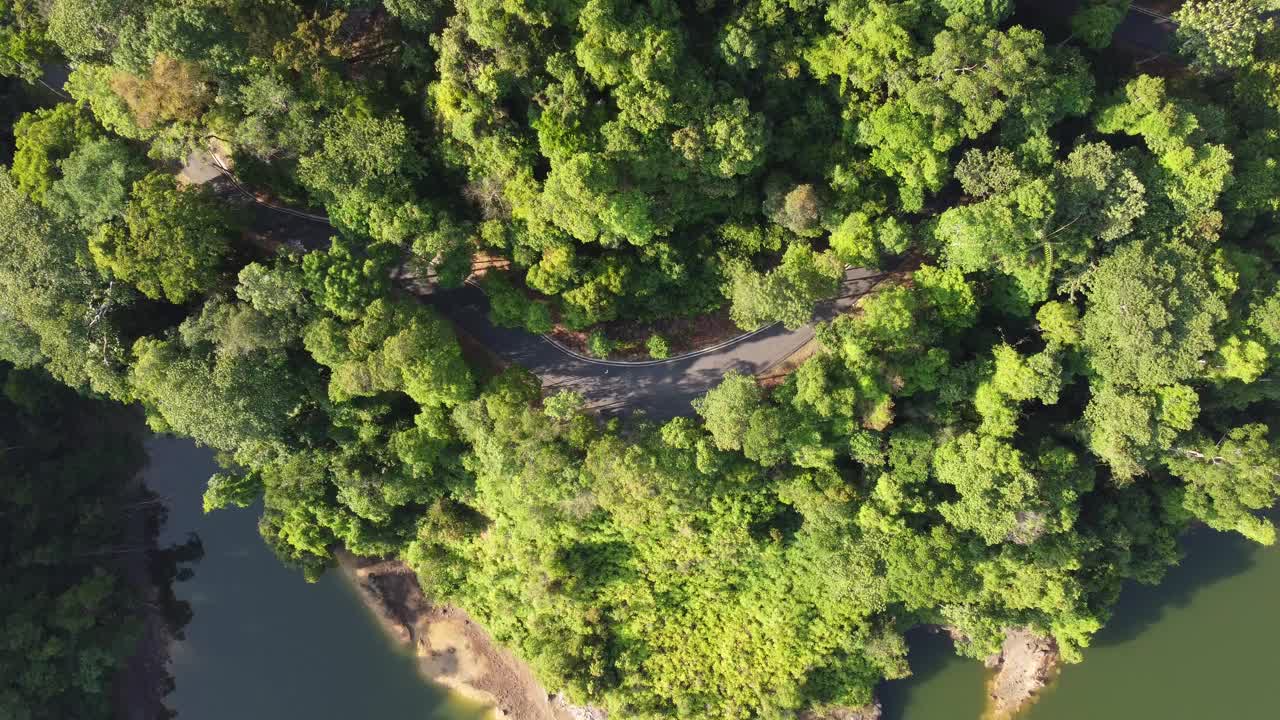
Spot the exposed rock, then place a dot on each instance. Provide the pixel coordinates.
(1026, 663)
(392, 593)
(958, 636)
(452, 650)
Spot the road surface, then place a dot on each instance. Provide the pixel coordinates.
(658, 389)
(661, 390)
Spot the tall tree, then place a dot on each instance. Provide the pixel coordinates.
(171, 242)
(1220, 34)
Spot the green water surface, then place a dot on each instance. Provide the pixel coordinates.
(263, 643)
(1200, 646)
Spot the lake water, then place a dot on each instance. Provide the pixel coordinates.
(1200, 645)
(263, 643)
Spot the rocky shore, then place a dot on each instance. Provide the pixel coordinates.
(453, 650)
(1025, 664)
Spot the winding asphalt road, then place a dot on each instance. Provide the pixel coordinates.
(658, 389)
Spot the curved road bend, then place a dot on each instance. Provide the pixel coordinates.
(661, 390)
(665, 390)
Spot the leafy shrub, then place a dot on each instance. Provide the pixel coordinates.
(658, 347)
(599, 344)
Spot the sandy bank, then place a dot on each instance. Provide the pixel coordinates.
(456, 652)
(453, 650)
(1026, 663)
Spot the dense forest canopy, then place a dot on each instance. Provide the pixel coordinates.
(1078, 361)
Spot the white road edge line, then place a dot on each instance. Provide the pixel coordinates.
(1151, 13)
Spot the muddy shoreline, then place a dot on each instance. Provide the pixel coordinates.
(453, 650)
(456, 652)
